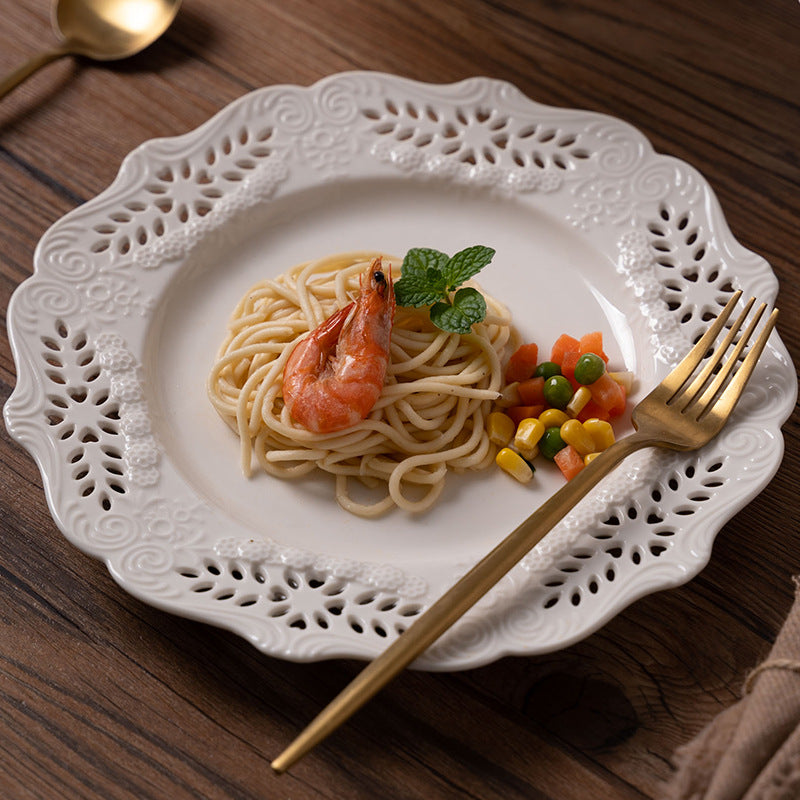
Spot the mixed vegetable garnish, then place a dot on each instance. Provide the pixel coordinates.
(560, 409)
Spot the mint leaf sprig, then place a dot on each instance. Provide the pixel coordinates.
(430, 277)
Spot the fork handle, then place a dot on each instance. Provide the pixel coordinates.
(457, 600)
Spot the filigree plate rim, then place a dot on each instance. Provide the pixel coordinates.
(134, 551)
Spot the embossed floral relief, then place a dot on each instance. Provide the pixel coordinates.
(140, 451)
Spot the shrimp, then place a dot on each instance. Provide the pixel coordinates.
(335, 375)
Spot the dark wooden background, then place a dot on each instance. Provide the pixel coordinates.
(104, 697)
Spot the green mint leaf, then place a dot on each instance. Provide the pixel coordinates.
(468, 308)
(435, 279)
(449, 319)
(417, 290)
(428, 278)
(419, 259)
(466, 263)
(471, 303)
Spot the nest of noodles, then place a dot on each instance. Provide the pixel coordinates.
(429, 419)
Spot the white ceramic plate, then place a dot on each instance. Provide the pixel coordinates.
(115, 332)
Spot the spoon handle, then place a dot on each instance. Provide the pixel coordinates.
(18, 75)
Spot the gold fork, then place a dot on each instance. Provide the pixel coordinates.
(684, 412)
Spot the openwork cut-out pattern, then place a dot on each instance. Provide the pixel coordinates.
(696, 280)
(680, 493)
(477, 143)
(83, 416)
(224, 164)
(301, 599)
(96, 410)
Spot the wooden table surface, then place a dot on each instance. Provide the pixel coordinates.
(102, 696)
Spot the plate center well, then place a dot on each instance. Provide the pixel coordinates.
(551, 279)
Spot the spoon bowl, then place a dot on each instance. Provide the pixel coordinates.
(107, 30)
(103, 30)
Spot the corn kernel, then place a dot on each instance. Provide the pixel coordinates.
(579, 401)
(553, 418)
(529, 454)
(529, 431)
(589, 457)
(500, 428)
(514, 464)
(624, 379)
(573, 432)
(601, 432)
(509, 396)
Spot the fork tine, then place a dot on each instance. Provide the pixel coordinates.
(692, 392)
(678, 377)
(719, 381)
(733, 391)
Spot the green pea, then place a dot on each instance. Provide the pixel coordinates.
(546, 370)
(557, 391)
(551, 442)
(589, 368)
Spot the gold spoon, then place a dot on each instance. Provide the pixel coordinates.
(104, 30)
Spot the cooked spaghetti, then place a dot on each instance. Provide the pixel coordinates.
(430, 416)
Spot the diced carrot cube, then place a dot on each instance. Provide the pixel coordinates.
(568, 364)
(564, 344)
(593, 411)
(593, 343)
(608, 394)
(519, 413)
(569, 461)
(531, 391)
(522, 363)
(619, 408)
